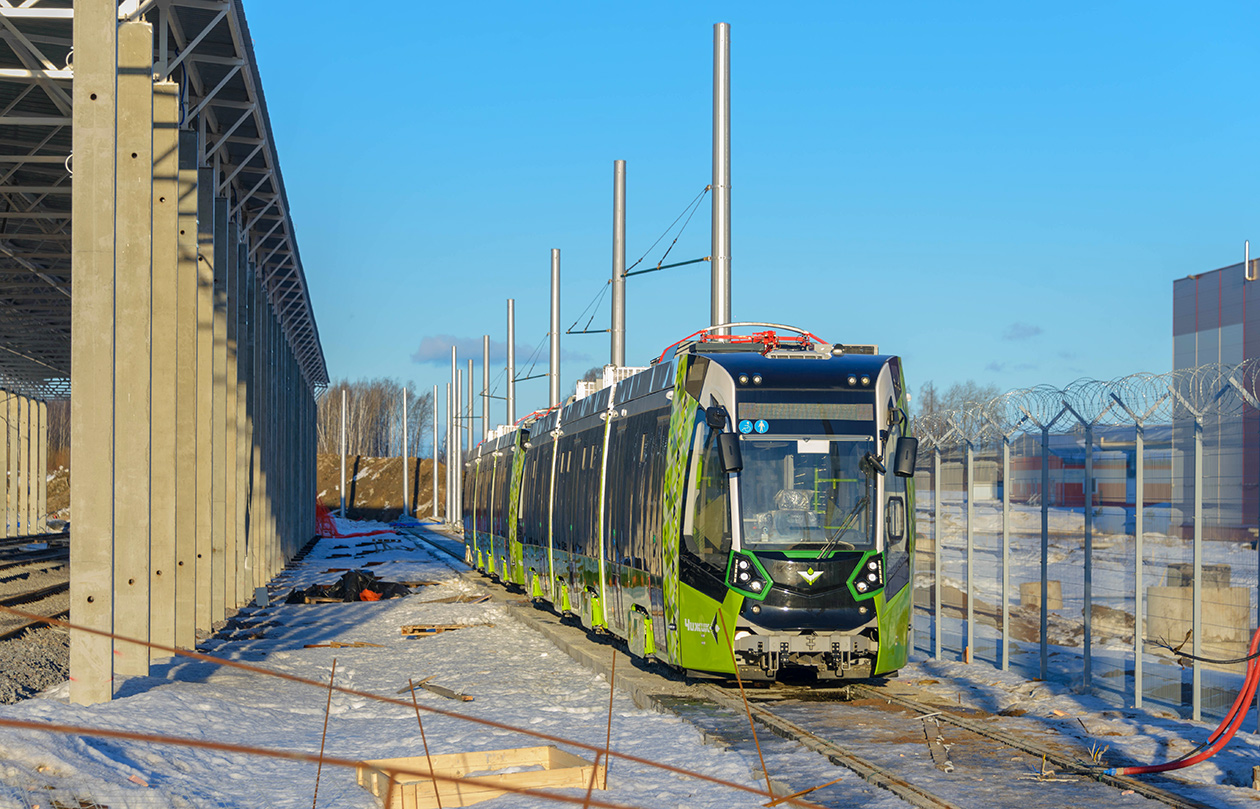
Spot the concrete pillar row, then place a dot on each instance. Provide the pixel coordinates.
(191, 425)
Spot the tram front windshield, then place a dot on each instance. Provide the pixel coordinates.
(807, 493)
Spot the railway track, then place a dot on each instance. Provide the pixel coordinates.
(36, 580)
(1030, 770)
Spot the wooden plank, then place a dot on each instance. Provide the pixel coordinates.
(558, 770)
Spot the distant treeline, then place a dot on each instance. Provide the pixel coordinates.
(374, 425)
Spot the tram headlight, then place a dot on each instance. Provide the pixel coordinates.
(870, 576)
(745, 575)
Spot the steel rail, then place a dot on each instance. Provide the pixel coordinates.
(35, 595)
(866, 770)
(1057, 758)
(10, 634)
(34, 558)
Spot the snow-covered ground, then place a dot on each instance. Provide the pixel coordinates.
(515, 676)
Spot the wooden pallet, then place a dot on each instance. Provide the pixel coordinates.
(558, 770)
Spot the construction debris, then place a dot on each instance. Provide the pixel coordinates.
(355, 585)
(459, 599)
(414, 686)
(425, 630)
(558, 770)
(336, 644)
(445, 692)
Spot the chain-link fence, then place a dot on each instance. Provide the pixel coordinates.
(1066, 533)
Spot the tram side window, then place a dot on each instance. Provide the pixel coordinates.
(707, 531)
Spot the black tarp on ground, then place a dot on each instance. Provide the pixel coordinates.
(350, 588)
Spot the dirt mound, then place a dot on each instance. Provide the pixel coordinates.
(374, 486)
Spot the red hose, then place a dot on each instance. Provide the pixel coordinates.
(1223, 733)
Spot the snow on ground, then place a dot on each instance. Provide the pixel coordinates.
(1128, 736)
(515, 675)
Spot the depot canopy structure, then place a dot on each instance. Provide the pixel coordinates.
(149, 268)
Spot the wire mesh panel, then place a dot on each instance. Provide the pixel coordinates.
(924, 556)
(1130, 508)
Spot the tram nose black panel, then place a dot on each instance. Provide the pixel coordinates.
(794, 603)
(810, 577)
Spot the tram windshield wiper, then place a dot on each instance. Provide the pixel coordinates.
(846, 525)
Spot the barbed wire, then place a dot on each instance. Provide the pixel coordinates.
(1201, 393)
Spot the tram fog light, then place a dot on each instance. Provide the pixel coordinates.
(743, 379)
(862, 610)
(861, 586)
(866, 380)
(756, 609)
(756, 379)
(852, 380)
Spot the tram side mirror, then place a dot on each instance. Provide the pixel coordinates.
(732, 456)
(907, 455)
(715, 417)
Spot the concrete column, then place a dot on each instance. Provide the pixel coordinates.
(256, 430)
(11, 432)
(218, 410)
(205, 392)
(165, 335)
(132, 373)
(244, 565)
(274, 474)
(186, 396)
(92, 243)
(230, 522)
(26, 510)
(41, 471)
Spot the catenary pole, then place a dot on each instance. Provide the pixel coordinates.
(435, 452)
(618, 354)
(472, 442)
(720, 304)
(553, 369)
(405, 476)
(511, 361)
(343, 453)
(485, 387)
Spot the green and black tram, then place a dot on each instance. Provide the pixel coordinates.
(746, 498)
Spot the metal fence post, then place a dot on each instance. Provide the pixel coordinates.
(1196, 695)
(1138, 529)
(1045, 548)
(1088, 491)
(936, 548)
(1006, 552)
(969, 491)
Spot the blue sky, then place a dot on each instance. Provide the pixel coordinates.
(1002, 192)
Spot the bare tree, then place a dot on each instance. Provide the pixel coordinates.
(374, 418)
